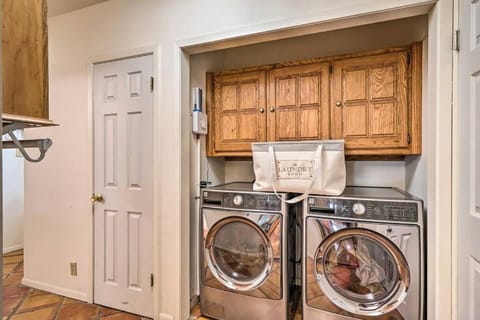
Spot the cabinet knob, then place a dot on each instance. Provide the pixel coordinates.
(261, 110)
(338, 103)
(272, 109)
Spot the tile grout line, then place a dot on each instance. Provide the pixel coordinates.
(14, 310)
(57, 312)
(24, 297)
(98, 313)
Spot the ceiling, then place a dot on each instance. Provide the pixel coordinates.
(58, 7)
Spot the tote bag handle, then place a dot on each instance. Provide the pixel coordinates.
(316, 174)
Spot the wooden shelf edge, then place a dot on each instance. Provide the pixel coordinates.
(8, 118)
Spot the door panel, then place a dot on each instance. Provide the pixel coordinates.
(111, 248)
(110, 150)
(469, 162)
(123, 133)
(298, 103)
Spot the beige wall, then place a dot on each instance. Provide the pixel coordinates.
(58, 213)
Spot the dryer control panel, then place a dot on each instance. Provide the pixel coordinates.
(401, 211)
(245, 201)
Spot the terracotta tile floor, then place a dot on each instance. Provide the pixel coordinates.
(23, 303)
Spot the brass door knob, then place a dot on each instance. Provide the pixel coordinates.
(272, 109)
(338, 103)
(97, 197)
(261, 110)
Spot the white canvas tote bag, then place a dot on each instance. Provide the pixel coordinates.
(306, 167)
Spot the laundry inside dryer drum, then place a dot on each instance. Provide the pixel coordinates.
(359, 269)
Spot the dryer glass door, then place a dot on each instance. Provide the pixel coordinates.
(239, 253)
(362, 271)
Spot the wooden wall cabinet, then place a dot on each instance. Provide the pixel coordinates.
(239, 117)
(371, 107)
(24, 58)
(297, 103)
(371, 100)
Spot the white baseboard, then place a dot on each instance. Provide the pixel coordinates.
(13, 248)
(82, 296)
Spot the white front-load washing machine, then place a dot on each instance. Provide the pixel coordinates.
(246, 254)
(363, 255)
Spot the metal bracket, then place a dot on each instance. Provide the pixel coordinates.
(42, 144)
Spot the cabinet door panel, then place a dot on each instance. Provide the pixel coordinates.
(286, 92)
(355, 85)
(298, 103)
(369, 102)
(383, 119)
(248, 126)
(309, 123)
(382, 82)
(355, 121)
(309, 93)
(248, 96)
(288, 117)
(228, 127)
(228, 97)
(24, 58)
(237, 115)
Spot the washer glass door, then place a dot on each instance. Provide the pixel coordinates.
(239, 253)
(362, 271)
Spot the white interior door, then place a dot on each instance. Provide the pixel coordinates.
(469, 161)
(123, 152)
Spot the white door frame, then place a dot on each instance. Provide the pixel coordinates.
(438, 87)
(120, 55)
(455, 168)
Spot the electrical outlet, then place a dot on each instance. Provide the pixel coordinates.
(73, 268)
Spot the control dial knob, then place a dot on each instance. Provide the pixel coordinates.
(358, 208)
(238, 200)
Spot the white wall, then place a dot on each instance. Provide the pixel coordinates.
(58, 215)
(13, 195)
(359, 173)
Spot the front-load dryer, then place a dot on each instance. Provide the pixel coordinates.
(363, 256)
(246, 254)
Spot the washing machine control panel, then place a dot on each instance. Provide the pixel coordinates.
(379, 210)
(365, 209)
(249, 201)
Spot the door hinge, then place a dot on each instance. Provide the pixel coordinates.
(408, 59)
(409, 140)
(330, 68)
(456, 40)
(151, 84)
(151, 279)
